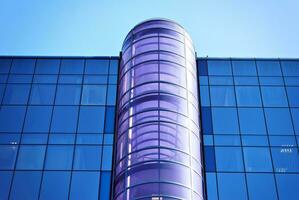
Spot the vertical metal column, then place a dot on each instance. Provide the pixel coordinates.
(158, 135)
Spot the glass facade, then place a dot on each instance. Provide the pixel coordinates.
(250, 120)
(57, 127)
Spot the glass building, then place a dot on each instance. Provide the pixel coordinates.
(61, 120)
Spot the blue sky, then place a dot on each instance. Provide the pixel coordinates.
(223, 28)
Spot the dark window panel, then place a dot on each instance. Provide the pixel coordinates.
(10, 138)
(206, 120)
(72, 66)
(219, 67)
(204, 95)
(68, 95)
(45, 79)
(23, 66)
(91, 119)
(12, 118)
(109, 119)
(20, 78)
(38, 119)
(5, 65)
(202, 67)
(47, 66)
(16, 94)
(5, 181)
(34, 138)
(210, 163)
(64, 119)
(97, 66)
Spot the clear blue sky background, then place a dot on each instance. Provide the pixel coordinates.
(223, 28)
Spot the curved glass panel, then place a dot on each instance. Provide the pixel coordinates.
(158, 140)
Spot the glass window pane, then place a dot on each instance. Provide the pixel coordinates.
(291, 81)
(219, 67)
(88, 157)
(12, 118)
(285, 159)
(111, 98)
(290, 67)
(70, 79)
(110, 118)
(42, 94)
(274, 97)
(38, 119)
(221, 80)
(68, 95)
(105, 185)
(47, 66)
(19, 78)
(244, 67)
(293, 96)
(62, 138)
(207, 127)
(268, 81)
(94, 95)
(232, 186)
(252, 121)
(59, 157)
(91, 79)
(211, 184)
(91, 119)
(248, 96)
(287, 186)
(279, 121)
(222, 96)
(31, 157)
(204, 95)
(16, 94)
(225, 121)
(88, 190)
(261, 186)
(5, 180)
(246, 80)
(295, 117)
(202, 67)
(250, 140)
(5, 65)
(97, 66)
(25, 185)
(210, 163)
(107, 158)
(257, 159)
(10, 138)
(55, 185)
(64, 119)
(268, 68)
(8, 155)
(229, 159)
(283, 141)
(23, 66)
(227, 140)
(113, 69)
(34, 138)
(89, 139)
(45, 79)
(72, 66)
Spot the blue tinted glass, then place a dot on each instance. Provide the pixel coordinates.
(293, 95)
(283, 141)
(219, 67)
(202, 67)
(9, 138)
(109, 121)
(222, 96)
(287, 186)
(245, 80)
(47, 66)
(204, 96)
(203, 80)
(70, 79)
(88, 190)
(5, 180)
(88, 157)
(2, 89)
(68, 95)
(64, 119)
(45, 79)
(268, 68)
(221, 80)
(295, 117)
(225, 121)
(34, 138)
(16, 94)
(31, 157)
(249, 140)
(278, 121)
(72, 66)
(210, 163)
(274, 97)
(261, 186)
(107, 158)
(206, 120)
(227, 140)
(291, 81)
(113, 69)
(232, 186)
(89, 138)
(19, 78)
(248, 96)
(91, 119)
(91, 79)
(62, 138)
(252, 121)
(111, 98)
(113, 79)
(38, 119)
(105, 185)
(55, 185)
(25, 185)
(285, 159)
(244, 67)
(3, 78)
(97, 66)
(108, 139)
(8, 155)
(257, 159)
(229, 159)
(290, 67)
(94, 95)
(11, 118)
(211, 184)
(271, 81)
(59, 157)
(5, 65)
(208, 140)
(42, 94)
(23, 66)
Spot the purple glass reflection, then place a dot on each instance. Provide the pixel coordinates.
(158, 134)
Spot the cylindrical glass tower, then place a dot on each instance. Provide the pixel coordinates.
(158, 153)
